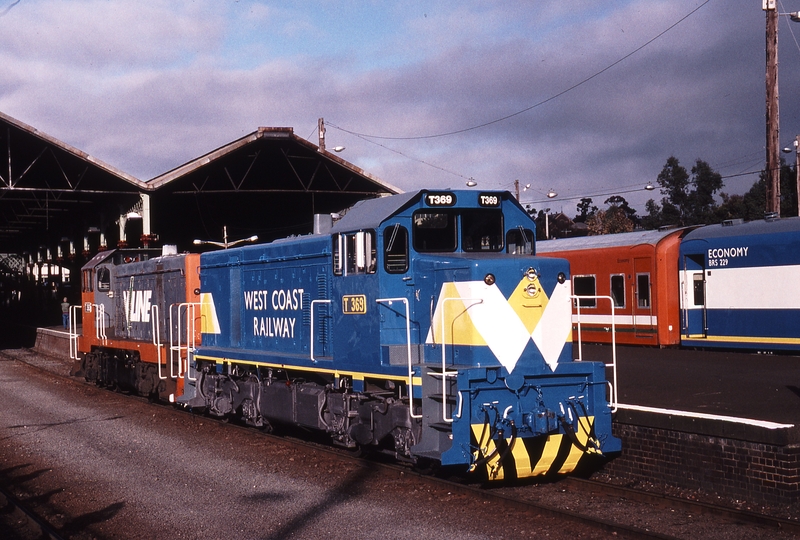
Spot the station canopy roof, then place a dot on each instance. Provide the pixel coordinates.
(269, 183)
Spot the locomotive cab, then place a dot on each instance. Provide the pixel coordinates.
(475, 319)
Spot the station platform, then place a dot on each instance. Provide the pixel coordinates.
(746, 385)
(738, 395)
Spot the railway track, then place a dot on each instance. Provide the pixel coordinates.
(22, 521)
(695, 507)
(590, 505)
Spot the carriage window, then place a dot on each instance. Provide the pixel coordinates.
(618, 290)
(482, 230)
(643, 290)
(395, 242)
(103, 279)
(354, 253)
(519, 241)
(699, 290)
(585, 286)
(434, 231)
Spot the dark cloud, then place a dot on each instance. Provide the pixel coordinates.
(148, 91)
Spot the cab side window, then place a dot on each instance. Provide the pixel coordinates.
(87, 281)
(395, 249)
(354, 253)
(519, 241)
(103, 279)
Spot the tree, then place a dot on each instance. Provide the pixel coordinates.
(752, 205)
(688, 200)
(618, 201)
(700, 204)
(674, 182)
(611, 221)
(653, 218)
(585, 210)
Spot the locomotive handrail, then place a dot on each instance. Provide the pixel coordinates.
(408, 350)
(613, 364)
(99, 320)
(311, 333)
(156, 331)
(175, 343)
(73, 331)
(445, 373)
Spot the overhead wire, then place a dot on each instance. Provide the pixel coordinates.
(791, 31)
(535, 105)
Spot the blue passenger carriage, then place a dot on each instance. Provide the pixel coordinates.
(420, 325)
(740, 285)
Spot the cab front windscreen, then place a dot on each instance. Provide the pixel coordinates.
(439, 230)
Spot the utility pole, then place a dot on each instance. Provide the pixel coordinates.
(321, 130)
(516, 188)
(773, 127)
(797, 170)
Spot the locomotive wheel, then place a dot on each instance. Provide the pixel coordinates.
(427, 466)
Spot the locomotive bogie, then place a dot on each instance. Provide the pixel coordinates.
(271, 395)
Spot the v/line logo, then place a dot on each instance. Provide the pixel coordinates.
(137, 305)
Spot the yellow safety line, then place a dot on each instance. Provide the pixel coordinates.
(357, 375)
(744, 339)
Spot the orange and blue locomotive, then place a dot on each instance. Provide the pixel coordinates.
(420, 325)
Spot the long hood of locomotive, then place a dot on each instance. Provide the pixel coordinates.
(505, 310)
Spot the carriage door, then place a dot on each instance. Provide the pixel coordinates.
(643, 320)
(693, 297)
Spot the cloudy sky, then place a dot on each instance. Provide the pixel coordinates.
(588, 98)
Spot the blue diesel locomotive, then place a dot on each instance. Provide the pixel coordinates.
(419, 325)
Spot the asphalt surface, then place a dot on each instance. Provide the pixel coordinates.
(99, 465)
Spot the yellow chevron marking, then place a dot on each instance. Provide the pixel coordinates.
(459, 327)
(575, 453)
(478, 314)
(529, 308)
(209, 324)
(548, 455)
(521, 458)
(485, 448)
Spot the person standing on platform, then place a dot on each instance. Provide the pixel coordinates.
(65, 313)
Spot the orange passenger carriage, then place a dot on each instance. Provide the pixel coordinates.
(128, 341)
(635, 274)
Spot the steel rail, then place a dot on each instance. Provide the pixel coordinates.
(670, 501)
(33, 520)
